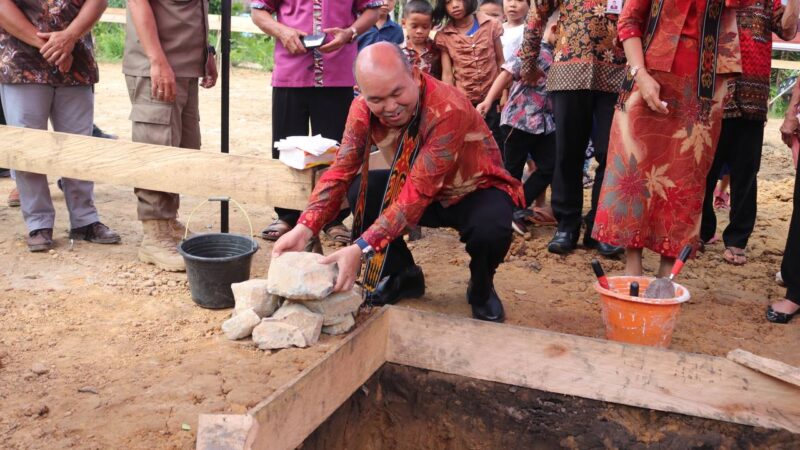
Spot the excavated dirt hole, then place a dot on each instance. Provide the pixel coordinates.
(406, 408)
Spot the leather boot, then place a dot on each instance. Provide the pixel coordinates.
(159, 247)
(178, 230)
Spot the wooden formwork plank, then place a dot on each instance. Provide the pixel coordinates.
(771, 367)
(693, 384)
(245, 178)
(285, 418)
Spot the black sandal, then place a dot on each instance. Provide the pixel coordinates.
(779, 317)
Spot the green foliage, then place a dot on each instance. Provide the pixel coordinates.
(117, 3)
(109, 41)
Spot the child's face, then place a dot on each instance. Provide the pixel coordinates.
(418, 28)
(515, 10)
(455, 9)
(492, 10)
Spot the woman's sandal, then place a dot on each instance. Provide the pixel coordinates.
(339, 234)
(722, 200)
(275, 230)
(780, 317)
(734, 256)
(543, 217)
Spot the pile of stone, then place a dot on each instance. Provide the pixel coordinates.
(293, 306)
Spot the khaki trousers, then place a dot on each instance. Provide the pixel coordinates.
(155, 122)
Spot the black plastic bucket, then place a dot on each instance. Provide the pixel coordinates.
(213, 262)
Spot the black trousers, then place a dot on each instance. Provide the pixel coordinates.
(492, 120)
(293, 108)
(739, 146)
(541, 148)
(482, 218)
(579, 116)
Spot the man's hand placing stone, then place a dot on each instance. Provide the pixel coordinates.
(349, 261)
(293, 241)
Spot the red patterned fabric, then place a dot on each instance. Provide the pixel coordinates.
(652, 195)
(458, 156)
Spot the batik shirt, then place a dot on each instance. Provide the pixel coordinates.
(457, 156)
(586, 56)
(529, 108)
(428, 61)
(314, 68)
(750, 90)
(21, 63)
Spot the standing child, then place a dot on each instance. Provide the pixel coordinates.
(471, 52)
(528, 114)
(385, 29)
(418, 46)
(515, 11)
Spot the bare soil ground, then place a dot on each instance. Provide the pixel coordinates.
(125, 359)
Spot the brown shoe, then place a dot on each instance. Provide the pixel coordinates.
(40, 240)
(178, 230)
(13, 197)
(96, 233)
(159, 247)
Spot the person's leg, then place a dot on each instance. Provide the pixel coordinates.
(492, 120)
(328, 112)
(573, 116)
(603, 108)
(515, 151)
(72, 111)
(745, 162)
(154, 122)
(543, 152)
(783, 310)
(708, 223)
(290, 116)
(28, 106)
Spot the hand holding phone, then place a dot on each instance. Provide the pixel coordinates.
(313, 41)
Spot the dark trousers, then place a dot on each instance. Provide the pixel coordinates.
(739, 146)
(579, 115)
(541, 148)
(492, 120)
(790, 268)
(293, 108)
(482, 218)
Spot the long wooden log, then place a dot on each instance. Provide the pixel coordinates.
(260, 180)
(771, 367)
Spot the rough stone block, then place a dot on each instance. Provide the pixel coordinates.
(335, 320)
(341, 327)
(241, 325)
(271, 334)
(253, 294)
(309, 323)
(300, 276)
(336, 304)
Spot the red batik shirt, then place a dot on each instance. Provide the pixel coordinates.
(457, 156)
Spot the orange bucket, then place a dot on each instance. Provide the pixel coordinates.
(637, 320)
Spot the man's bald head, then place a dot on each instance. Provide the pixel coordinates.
(381, 57)
(385, 79)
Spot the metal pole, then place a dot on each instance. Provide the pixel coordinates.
(226, 72)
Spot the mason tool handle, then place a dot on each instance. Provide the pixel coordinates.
(601, 276)
(684, 255)
(634, 289)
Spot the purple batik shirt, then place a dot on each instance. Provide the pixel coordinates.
(314, 68)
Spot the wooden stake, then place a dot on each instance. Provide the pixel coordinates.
(771, 367)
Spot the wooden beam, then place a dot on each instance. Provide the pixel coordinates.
(685, 383)
(783, 64)
(771, 367)
(260, 180)
(238, 24)
(291, 413)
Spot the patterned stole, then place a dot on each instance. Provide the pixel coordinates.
(404, 158)
(709, 38)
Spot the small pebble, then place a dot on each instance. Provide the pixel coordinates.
(39, 368)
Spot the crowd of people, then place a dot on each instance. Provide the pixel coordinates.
(479, 108)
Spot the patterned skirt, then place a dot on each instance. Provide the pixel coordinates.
(656, 168)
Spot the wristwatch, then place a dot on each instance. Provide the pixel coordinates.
(366, 250)
(355, 34)
(633, 70)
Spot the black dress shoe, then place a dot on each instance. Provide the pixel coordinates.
(602, 248)
(491, 310)
(563, 242)
(779, 317)
(408, 283)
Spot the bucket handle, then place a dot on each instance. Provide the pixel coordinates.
(220, 199)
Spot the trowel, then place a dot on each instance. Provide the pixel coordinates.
(663, 287)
